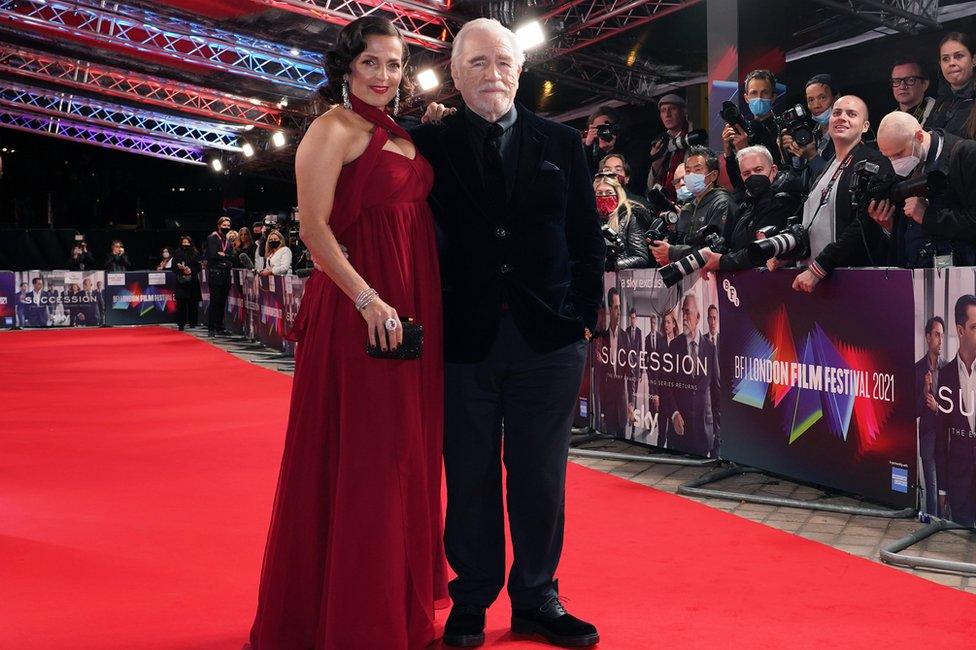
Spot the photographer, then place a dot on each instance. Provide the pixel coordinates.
(666, 154)
(909, 83)
(839, 235)
(953, 214)
(600, 136)
(810, 160)
(627, 219)
(769, 199)
(616, 164)
(81, 259)
(914, 154)
(117, 261)
(277, 255)
(711, 205)
(760, 89)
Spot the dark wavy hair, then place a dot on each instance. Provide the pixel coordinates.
(350, 44)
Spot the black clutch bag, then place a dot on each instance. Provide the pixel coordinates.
(412, 346)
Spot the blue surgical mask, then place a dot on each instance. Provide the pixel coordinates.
(822, 118)
(759, 106)
(684, 194)
(695, 183)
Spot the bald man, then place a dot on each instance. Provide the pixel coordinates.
(914, 152)
(838, 236)
(951, 215)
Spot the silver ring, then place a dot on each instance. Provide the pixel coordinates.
(392, 324)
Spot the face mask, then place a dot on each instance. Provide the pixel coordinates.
(904, 166)
(185, 245)
(822, 118)
(224, 229)
(759, 107)
(684, 194)
(165, 255)
(605, 205)
(274, 244)
(695, 183)
(757, 185)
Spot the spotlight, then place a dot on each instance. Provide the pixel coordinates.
(217, 166)
(278, 139)
(530, 35)
(295, 51)
(283, 103)
(248, 149)
(248, 127)
(427, 80)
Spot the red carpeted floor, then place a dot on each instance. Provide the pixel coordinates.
(137, 469)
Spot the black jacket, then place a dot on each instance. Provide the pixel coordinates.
(117, 263)
(772, 208)
(542, 258)
(860, 241)
(716, 208)
(83, 262)
(956, 219)
(636, 254)
(216, 245)
(187, 287)
(952, 108)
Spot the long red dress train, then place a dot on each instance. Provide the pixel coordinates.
(355, 553)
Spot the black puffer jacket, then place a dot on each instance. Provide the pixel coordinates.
(715, 208)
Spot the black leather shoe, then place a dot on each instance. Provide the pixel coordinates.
(465, 627)
(557, 626)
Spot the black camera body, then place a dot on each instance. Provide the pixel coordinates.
(792, 242)
(870, 185)
(733, 116)
(607, 132)
(615, 243)
(657, 231)
(691, 139)
(708, 237)
(798, 124)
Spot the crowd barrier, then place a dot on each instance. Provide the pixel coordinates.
(826, 388)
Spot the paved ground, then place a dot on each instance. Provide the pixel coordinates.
(861, 536)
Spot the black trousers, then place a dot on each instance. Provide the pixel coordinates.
(517, 406)
(186, 311)
(219, 288)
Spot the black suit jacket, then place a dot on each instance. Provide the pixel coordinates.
(955, 448)
(542, 257)
(956, 219)
(854, 231)
(654, 342)
(691, 403)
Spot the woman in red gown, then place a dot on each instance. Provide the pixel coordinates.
(354, 556)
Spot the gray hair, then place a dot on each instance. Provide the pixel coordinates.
(755, 150)
(487, 25)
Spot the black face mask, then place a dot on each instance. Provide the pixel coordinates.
(274, 244)
(185, 246)
(757, 185)
(224, 230)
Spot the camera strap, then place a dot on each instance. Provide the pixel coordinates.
(825, 194)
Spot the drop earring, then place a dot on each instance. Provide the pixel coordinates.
(396, 102)
(345, 94)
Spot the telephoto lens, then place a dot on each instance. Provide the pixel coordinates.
(674, 272)
(696, 137)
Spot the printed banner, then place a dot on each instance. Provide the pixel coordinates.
(944, 392)
(140, 298)
(234, 315)
(294, 289)
(271, 321)
(59, 298)
(655, 363)
(8, 299)
(819, 385)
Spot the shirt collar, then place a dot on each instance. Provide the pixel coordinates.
(962, 367)
(480, 124)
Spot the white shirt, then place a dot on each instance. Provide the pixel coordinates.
(613, 348)
(967, 389)
(824, 228)
(280, 261)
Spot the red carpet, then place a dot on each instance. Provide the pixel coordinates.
(137, 469)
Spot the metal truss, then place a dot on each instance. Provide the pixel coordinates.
(145, 32)
(144, 89)
(906, 16)
(57, 104)
(602, 74)
(421, 24)
(105, 138)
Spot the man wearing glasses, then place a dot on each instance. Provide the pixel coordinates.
(908, 84)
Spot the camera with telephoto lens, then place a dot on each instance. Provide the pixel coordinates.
(792, 242)
(607, 132)
(708, 237)
(660, 203)
(688, 140)
(869, 185)
(615, 243)
(798, 125)
(657, 231)
(733, 117)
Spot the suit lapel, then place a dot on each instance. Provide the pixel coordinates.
(531, 149)
(457, 147)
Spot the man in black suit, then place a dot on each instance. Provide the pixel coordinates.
(955, 447)
(37, 304)
(632, 340)
(522, 264)
(926, 409)
(693, 399)
(611, 371)
(656, 343)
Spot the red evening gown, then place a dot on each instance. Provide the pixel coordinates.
(355, 554)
